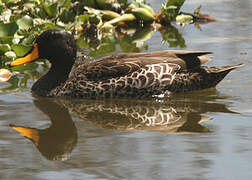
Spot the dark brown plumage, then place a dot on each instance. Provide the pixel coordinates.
(121, 75)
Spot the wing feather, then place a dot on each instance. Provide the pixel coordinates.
(119, 65)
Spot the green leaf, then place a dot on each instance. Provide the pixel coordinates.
(9, 1)
(183, 18)
(20, 49)
(4, 48)
(42, 1)
(171, 8)
(67, 16)
(171, 35)
(127, 45)
(105, 4)
(5, 15)
(50, 25)
(6, 40)
(89, 3)
(1, 8)
(25, 22)
(41, 13)
(142, 35)
(84, 18)
(27, 67)
(51, 9)
(28, 41)
(64, 3)
(177, 3)
(10, 54)
(103, 49)
(82, 42)
(8, 29)
(122, 1)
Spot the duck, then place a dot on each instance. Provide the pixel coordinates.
(136, 75)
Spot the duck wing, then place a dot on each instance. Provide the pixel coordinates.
(123, 64)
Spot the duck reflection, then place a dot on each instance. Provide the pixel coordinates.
(175, 115)
(57, 141)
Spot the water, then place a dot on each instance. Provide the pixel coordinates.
(200, 135)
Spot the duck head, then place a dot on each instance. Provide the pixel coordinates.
(55, 45)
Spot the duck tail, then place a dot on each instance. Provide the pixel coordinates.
(216, 74)
(201, 78)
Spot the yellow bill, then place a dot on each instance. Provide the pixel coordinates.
(29, 133)
(33, 55)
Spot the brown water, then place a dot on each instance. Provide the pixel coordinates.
(200, 135)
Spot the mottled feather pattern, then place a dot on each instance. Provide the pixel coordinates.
(147, 81)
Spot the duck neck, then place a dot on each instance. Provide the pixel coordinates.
(57, 75)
